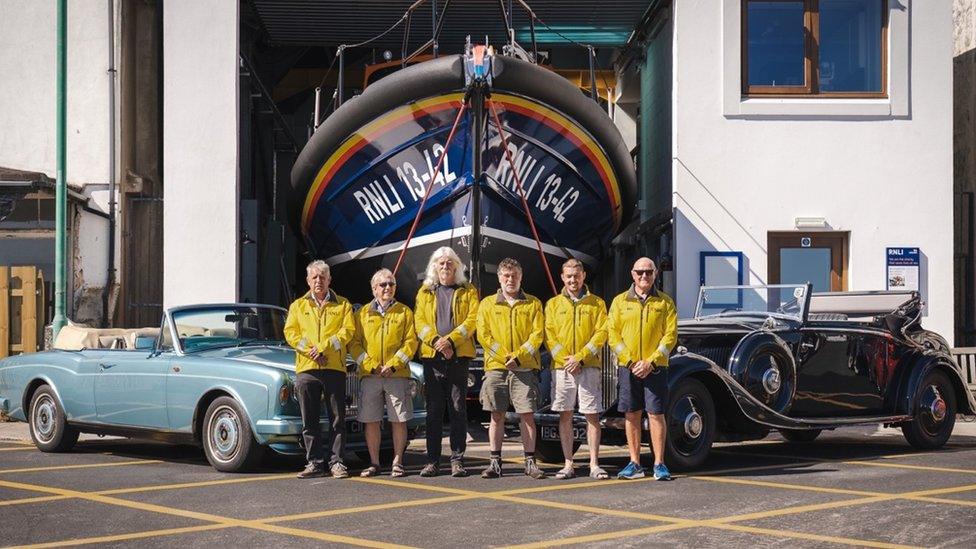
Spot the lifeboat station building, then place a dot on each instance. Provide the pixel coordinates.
(772, 141)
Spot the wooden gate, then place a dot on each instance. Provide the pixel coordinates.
(21, 310)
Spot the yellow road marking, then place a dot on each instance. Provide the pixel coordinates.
(84, 466)
(156, 487)
(598, 537)
(226, 521)
(785, 486)
(912, 467)
(811, 537)
(16, 448)
(425, 487)
(37, 499)
(366, 508)
(124, 537)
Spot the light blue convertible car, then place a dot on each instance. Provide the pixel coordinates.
(217, 376)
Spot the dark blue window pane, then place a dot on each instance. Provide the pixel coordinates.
(775, 44)
(850, 45)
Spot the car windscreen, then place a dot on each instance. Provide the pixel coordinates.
(785, 300)
(232, 326)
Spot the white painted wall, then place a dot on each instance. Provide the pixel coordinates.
(28, 101)
(886, 178)
(200, 164)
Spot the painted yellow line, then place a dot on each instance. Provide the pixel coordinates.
(811, 537)
(16, 448)
(911, 467)
(124, 537)
(593, 510)
(225, 521)
(367, 508)
(414, 486)
(598, 537)
(38, 499)
(185, 485)
(84, 466)
(786, 486)
(962, 502)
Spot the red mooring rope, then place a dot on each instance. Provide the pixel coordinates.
(525, 204)
(433, 178)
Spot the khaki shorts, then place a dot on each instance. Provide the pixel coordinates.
(393, 392)
(586, 387)
(503, 388)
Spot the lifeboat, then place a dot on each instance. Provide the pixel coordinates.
(359, 185)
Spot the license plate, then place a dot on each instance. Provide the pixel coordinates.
(551, 432)
(353, 426)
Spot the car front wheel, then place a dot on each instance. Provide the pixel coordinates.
(49, 429)
(691, 425)
(227, 438)
(800, 435)
(551, 451)
(935, 413)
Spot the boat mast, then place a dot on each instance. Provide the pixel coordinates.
(477, 64)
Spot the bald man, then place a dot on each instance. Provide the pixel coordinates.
(642, 329)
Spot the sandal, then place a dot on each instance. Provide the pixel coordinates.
(397, 470)
(566, 473)
(599, 473)
(370, 471)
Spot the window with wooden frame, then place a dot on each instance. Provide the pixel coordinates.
(826, 48)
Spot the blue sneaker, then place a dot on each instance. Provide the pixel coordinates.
(631, 471)
(661, 472)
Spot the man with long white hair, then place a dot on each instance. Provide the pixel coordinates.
(446, 317)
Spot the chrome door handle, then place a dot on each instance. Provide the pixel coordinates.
(106, 366)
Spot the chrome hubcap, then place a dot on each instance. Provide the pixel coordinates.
(693, 425)
(771, 381)
(224, 433)
(44, 418)
(938, 405)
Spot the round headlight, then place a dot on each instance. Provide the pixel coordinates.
(471, 380)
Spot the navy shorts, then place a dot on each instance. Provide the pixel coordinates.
(649, 394)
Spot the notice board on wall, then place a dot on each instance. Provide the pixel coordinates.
(902, 269)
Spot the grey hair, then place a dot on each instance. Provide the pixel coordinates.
(430, 278)
(317, 265)
(379, 275)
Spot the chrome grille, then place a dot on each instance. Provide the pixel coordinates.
(352, 392)
(609, 370)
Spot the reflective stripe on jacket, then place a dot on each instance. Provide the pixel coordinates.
(328, 328)
(576, 328)
(507, 331)
(642, 331)
(384, 339)
(464, 307)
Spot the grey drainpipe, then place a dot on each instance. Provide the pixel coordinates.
(112, 73)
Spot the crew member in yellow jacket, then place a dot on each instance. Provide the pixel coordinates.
(446, 313)
(642, 330)
(385, 343)
(510, 329)
(319, 326)
(576, 331)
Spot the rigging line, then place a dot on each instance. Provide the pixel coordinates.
(546, 25)
(328, 70)
(433, 178)
(525, 204)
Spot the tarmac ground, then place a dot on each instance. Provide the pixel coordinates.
(863, 486)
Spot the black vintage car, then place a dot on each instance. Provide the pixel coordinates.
(758, 358)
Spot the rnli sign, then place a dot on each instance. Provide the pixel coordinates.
(903, 268)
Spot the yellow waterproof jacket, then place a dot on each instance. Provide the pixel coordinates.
(576, 328)
(384, 339)
(642, 331)
(464, 306)
(328, 328)
(506, 331)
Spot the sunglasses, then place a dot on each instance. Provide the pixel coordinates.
(644, 272)
(386, 284)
